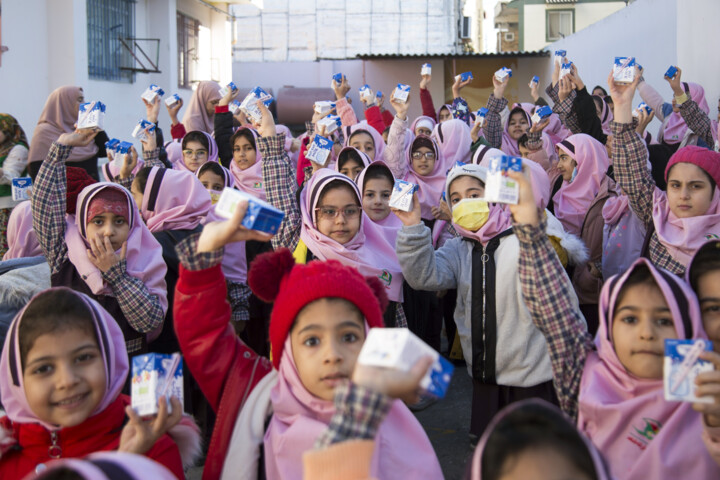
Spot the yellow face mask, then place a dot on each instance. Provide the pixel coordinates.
(214, 196)
(471, 213)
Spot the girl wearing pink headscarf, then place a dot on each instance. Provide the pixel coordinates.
(201, 109)
(105, 466)
(64, 334)
(198, 148)
(22, 241)
(104, 250)
(454, 141)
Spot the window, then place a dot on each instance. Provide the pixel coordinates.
(188, 30)
(509, 36)
(559, 24)
(108, 21)
(465, 31)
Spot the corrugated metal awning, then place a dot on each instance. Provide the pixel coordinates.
(560, 1)
(399, 56)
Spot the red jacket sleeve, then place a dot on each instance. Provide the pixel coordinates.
(166, 453)
(387, 118)
(178, 131)
(428, 108)
(375, 119)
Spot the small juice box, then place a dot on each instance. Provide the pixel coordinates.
(499, 188)
(336, 79)
(112, 144)
(230, 87)
(642, 106)
(400, 349)
(21, 187)
(560, 56)
(426, 69)
(323, 107)
(249, 103)
(155, 375)
(503, 73)
(319, 150)
(541, 113)
(378, 96)
(172, 100)
(480, 116)
(91, 115)
(464, 77)
(565, 69)
(234, 107)
(151, 92)
(366, 93)
(535, 80)
(624, 69)
(671, 72)
(139, 130)
(260, 215)
(402, 195)
(121, 152)
(331, 123)
(401, 93)
(681, 366)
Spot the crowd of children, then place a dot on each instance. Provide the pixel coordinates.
(560, 303)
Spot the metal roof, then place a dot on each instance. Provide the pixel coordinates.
(397, 56)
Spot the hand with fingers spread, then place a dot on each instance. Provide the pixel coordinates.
(152, 110)
(413, 216)
(708, 384)
(102, 254)
(130, 163)
(173, 111)
(401, 108)
(676, 83)
(566, 87)
(79, 138)
(540, 126)
(392, 382)
(216, 235)
(525, 212)
(138, 435)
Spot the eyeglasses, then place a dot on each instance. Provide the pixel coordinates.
(195, 153)
(420, 155)
(331, 213)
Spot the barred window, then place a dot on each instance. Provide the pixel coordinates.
(188, 30)
(108, 22)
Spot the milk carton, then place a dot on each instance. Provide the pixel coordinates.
(336, 80)
(111, 145)
(366, 94)
(152, 92)
(541, 113)
(319, 150)
(234, 107)
(499, 188)
(400, 349)
(323, 107)
(503, 73)
(331, 123)
(680, 368)
(426, 69)
(671, 72)
(260, 215)
(91, 115)
(378, 96)
(624, 69)
(535, 80)
(480, 116)
(464, 77)
(122, 150)
(565, 69)
(230, 87)
(172, 100)
(401, 93)
(560, 56)
(642, 106)
(249, 104)
(155, 375)
(139, 130)
(21, 187)
(402, 195)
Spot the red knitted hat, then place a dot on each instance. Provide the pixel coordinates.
(77, 179)
(702, 157)
(274, 276)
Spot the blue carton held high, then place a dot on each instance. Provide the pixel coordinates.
(260, 215)
(155, 375)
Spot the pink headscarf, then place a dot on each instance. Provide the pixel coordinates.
(499, 219)
(606, 115)
(288, 136)
(104, 466)
(485, 153)
(21, 238)
(573, 200)
(616, 407)
(402, 447)
(111, 345)
(174, 151)
(363, 157)
(390, 224)
(454, 140)
(212, 153)
(425, 118)
(144, 254)
(110, 171)
(369, 251)
(228, 179)
(431, 186)
(174, 200)
(449, 109)
(614, 208)
(675, 127)
(376, 136)
(196, 116)
(250, 180)
(556, 130)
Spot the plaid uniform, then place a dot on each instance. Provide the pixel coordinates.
(193, 260)
(697, 121)
(492, 127)
(564, 108)
(239, 298)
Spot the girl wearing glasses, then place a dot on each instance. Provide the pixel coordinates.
(198, 148)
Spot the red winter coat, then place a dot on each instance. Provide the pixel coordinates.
(225, 368)
(100, 432)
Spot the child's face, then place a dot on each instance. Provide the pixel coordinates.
(566, 165)
(445, 115)
(64, 377)
(326, 341)
(194, 155)
(351, 169)
(210, 106)
(688, 190)
(542, 463)
(423, 131)
(708, 292)
(524, 151)
(338, 215)
(364, 142)
(108, 224)
(376, 198)
(641, 323)
(518, 125)
(244, 153)
(465, 187)
(423, 160)
(212, 181)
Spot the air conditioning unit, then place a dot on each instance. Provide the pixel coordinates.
(465, 28)
(509, 36)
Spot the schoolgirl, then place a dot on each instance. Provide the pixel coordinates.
(351, 161)
(198, 148)
(214, 177)
(376, 183)
(366, 139)
(13, 160)
(201, 109)
(453, 140)
(22, 241)
(105, 466)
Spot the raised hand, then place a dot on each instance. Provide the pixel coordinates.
(622, 95)
(152, 110)
(393, 382)
(228, 97)
(139, 436)
(526, 210)
(499, 86)
(413, 216)
(150, 142)
(425, 81)
(129, 164)
(644, 119)
(540, 126)
(401, 108)
(566, 87)
(173, 111)
(79, 138)
(341, 89)
(266, 128)
(216, 235)
(459, 85)
(675, 83)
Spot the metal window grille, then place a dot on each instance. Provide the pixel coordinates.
(188, 38)
(108, 22)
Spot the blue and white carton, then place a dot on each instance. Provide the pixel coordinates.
(671, 72)
(680, 368)
(624, 69)
(378, 96)
(230, 87)
(331, 123)
(560, 56)
(503, 73)
(401, 93)
(642, 106)
(21, 187)
(122, 150)
(112, 144)
(535, 80)
(499, 188)
(565, 69)
(400, 349)
(402, 195)
(426, 69)
(480, 116)
(319, 150)
(151, 92)
(336, 79)
(260, 215)
(464, 77)
(155, 375)
(366, 93)
(234, 107)
(541, 113)
(172, 100)
(249, 103)
(139, 130)
(323, 106)
(91, 115)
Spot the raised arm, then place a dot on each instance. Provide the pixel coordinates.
(426, 100)
(696, 120)
(493, 129)
(394, 153)
(653, 99)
